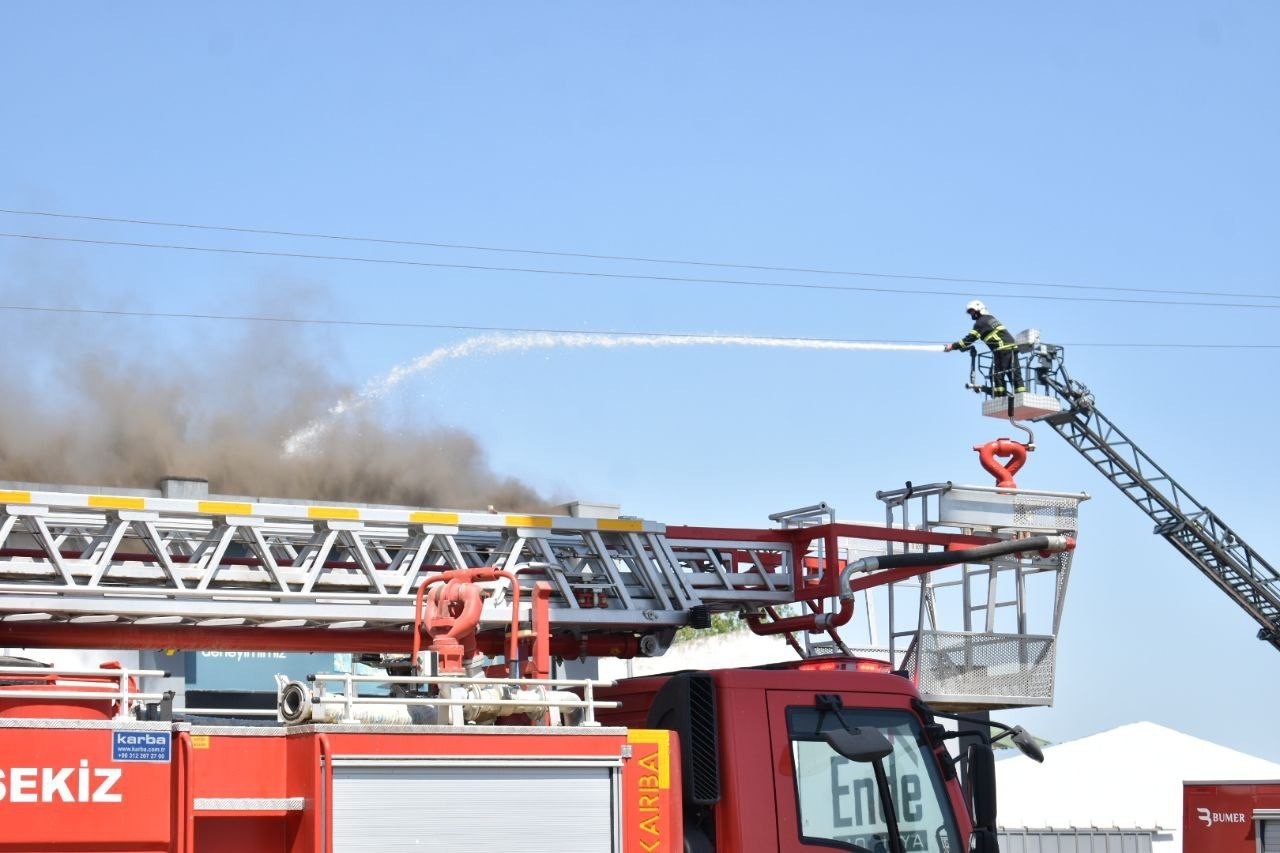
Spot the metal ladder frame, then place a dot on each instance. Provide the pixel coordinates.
(1195, 531)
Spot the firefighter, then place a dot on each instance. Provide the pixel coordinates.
(1004, 351)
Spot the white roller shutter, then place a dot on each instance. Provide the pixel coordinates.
(1270, 830)
(385, 806)
(1076, 840)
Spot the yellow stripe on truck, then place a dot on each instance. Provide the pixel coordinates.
(116, 502)
(15, 497)
(433, 517)
(225, 508)
(333, 513)
(528, 520)
(662, 739)
(631, 525)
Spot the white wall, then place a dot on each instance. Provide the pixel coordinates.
(76, 658)
(720, 651)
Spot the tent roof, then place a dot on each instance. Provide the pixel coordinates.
(1130, 776)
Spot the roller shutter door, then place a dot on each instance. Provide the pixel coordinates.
(1270, 831)
(1075, 841)
(554, 807)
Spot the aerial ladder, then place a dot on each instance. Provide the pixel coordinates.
(1066, 405)
(465, 735)
(143, 571)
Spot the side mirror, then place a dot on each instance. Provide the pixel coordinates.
(1027, 745)
(860, 744)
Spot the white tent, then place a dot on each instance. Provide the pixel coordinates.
(1125, 778)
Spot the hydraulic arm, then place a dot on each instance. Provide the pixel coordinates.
(1196, 531)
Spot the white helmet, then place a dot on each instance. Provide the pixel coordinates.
(976, 305)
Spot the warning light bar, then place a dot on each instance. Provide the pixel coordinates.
(837, 663)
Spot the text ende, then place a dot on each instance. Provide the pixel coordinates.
(857, 803)
(83, 784)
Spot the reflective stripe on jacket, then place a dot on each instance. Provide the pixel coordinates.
(990, 331)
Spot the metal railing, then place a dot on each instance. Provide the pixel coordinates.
(227, 712)
(63, 683)
(552, 693)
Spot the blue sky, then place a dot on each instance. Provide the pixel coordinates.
(1116, 146)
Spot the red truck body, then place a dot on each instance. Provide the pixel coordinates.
(92, 782)
(763, 804)
(1231, 817)
(254, 789)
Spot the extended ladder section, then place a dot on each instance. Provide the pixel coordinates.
(1204, 538)
(80, 569)
(141, 571)
(117, 558)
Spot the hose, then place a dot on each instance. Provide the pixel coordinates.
(936, 559)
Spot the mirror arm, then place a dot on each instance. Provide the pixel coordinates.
(1005, 731)
(1019, 736)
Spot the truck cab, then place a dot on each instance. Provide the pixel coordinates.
(760, 769)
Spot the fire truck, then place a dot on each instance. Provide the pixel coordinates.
(456, 727)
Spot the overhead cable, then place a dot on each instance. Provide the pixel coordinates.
(467, 327)
(622, 276)
(624, 258)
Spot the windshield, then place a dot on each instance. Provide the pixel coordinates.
(839, 800)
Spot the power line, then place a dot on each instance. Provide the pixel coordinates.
(466, 327)
(393, 324)
(624, 276)
(625, 258)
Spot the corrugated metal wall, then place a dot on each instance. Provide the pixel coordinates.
(1076, 840)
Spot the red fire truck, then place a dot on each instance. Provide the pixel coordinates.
(461, 739)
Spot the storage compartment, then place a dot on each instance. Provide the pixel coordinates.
(477, 805)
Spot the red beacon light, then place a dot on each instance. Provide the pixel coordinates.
(838, 663)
